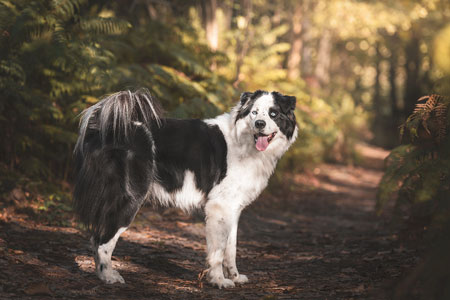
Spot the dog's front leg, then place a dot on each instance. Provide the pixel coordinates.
(218, 228)
(229, 261)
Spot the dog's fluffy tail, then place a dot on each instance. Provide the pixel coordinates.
(114, 142)
(115, 114)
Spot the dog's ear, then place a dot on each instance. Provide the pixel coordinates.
(286, 103)
(248, 95)
(245, 96)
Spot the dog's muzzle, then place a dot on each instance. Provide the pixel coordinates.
(262, 141)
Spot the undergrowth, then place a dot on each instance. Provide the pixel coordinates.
(417, 177)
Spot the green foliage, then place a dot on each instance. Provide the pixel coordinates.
(418, 178)
(58, 57)
(419, 172)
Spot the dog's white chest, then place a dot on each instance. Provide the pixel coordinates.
(245, 180)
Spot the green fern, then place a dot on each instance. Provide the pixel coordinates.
(99, 25)
(66, 9)
(430, 117)
(12, 69)
(420, 171)
(58, 55)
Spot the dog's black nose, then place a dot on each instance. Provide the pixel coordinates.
(260, 124)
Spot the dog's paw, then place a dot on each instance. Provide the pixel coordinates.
(221, 283)
(111, 277)
(241, 278)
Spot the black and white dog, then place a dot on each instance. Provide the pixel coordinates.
(127, 154)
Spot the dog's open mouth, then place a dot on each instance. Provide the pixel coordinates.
(262, 141)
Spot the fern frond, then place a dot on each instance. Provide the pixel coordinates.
(66, 9)
(99, 25)
(59, 34)
(431, 115)
(188, 61)
(59, 134)
(7, 15)
(441, 116)
(12, 68)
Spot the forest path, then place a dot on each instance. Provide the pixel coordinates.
(319, 240)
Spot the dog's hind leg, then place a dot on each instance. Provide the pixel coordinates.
(104, 242)
(112, 184)
(124, 194)
(102, 257)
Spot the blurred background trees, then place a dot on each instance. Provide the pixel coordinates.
(353, 65)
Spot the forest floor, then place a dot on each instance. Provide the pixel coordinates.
(316, 238)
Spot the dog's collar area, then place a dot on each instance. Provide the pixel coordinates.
(262, 141)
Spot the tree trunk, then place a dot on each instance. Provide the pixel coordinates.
(293, 64)
(244, 44)
(392, 81)
(377, 85)
(322, 70)
(227, 8)
(209, 8)
(307, 49)
(412, 86)
(379, 128)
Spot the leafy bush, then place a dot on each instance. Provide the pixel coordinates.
(418, 177)
(60, 56)
(418, 172)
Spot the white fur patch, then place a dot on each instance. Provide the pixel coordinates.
(186, 198)
(103, 260)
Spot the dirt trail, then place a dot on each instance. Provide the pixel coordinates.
(319, 240)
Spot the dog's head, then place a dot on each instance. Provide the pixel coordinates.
(268, 118)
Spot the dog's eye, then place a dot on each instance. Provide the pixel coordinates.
(254, 112)
(273, 113)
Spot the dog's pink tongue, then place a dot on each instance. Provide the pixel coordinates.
(262, 143)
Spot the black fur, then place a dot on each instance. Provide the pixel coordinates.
(285, 118)
(112, 182)
(190, 145)
(115, 168)
(247, 100)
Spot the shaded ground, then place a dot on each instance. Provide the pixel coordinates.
(317, 239)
